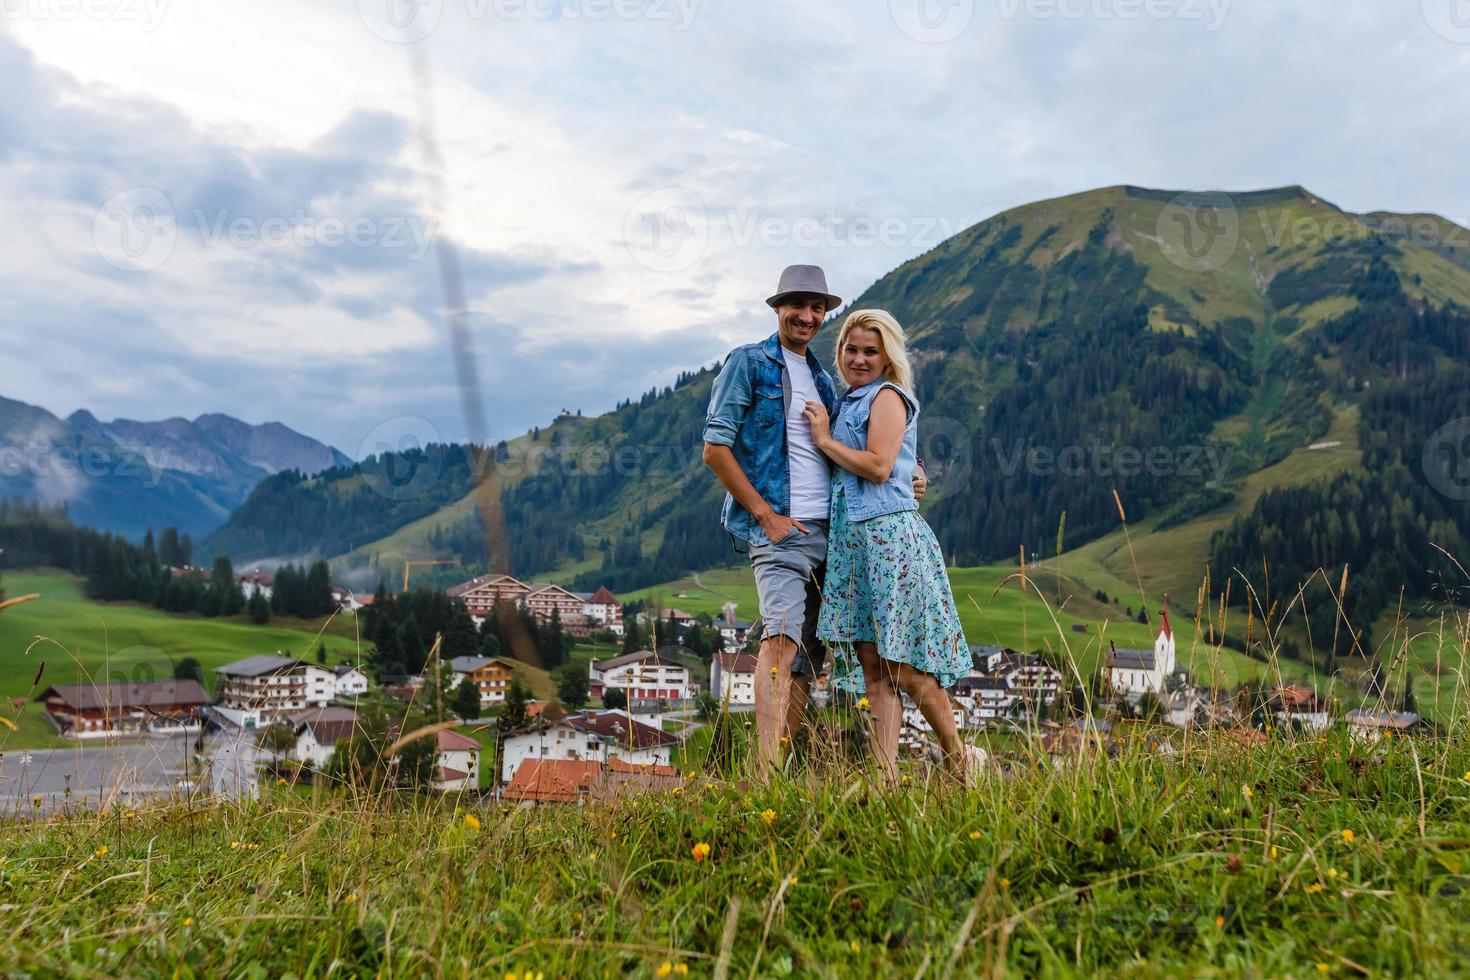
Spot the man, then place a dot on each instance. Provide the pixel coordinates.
(778, 494)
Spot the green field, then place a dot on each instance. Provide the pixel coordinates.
(1311, 858)
(65, 638)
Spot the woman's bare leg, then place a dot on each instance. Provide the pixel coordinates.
(884, 705)
(934, 705)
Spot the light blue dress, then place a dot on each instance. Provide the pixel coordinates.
(886, 583)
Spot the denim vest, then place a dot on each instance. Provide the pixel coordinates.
(748, 405)
(867, 500)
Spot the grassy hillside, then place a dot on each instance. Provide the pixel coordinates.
(67, 639)
(1291, 859)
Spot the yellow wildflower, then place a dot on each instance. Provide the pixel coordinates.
(974, 835)
(769, 816)
(100, 851)
(1323, 967)
(855, 946)
(863, 706)
(682, 969)
(1313, 888)
(664, 969)
(234, 845)
(701, 851)
(1348, 836)
(471, 821)
(1274, 852)
(1005, 883)
(1246, 791)
(1219, 922)
(188, 921)
(773, 671)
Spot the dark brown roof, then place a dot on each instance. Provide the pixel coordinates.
(626, 730)
(738, 663)
(641, 655)
(129, 694)
(329, 731)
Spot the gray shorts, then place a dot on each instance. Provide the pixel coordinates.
(788, 579)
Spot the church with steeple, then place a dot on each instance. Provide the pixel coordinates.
(1135, 672)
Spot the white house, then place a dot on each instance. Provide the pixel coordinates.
(986, 698)
(1028, 675)
(732, 678)
(256, 581)
(458, 765)
(603, 610)
(1132, 673)
(592, 736)
(643, 675)
(351, 681)
(318, 730)
(273, 685)
(914, 718)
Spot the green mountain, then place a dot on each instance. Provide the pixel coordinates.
(1181, 356)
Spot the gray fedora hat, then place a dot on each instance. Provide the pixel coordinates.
(803, 279)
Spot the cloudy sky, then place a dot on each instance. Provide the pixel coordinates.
(220, 205)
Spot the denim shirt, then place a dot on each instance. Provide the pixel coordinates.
(865, 499)
(748, 406)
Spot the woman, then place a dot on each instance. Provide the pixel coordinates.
(887, 601)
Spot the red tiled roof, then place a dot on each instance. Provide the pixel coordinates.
(444, 774)
(603, 596)
(1165, 630)
(553, 780)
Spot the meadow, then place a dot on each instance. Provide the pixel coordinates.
(1292, 858)
(65, 638)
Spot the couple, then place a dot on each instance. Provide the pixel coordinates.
(824, 486)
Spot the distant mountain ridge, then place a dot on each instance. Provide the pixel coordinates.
(128, 476)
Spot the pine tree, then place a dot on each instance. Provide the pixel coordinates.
(259, 609)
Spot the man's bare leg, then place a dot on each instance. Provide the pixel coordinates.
(772, 695)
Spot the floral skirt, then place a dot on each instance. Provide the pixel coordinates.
(886, 584)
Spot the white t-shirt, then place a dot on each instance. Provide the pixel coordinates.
(811, 486)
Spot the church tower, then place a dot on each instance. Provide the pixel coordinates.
(1164, 661)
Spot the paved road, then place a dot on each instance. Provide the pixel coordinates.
(91, 775)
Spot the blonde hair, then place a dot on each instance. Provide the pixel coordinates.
(890, 334)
